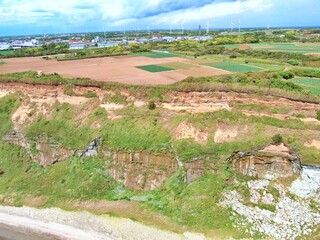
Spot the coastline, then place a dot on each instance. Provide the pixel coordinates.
(54, 223)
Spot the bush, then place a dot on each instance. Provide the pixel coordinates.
(287, 74)
(151, 105)
(293, 62)
(318, 115)
(277, 139)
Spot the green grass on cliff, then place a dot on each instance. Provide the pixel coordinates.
(8, 104)
(74, 179)
(130, 132)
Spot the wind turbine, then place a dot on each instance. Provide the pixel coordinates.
(239, 26)
(208, 27)
(182, 28)
(232, 26)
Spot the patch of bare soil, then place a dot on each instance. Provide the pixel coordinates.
(196, 107)
(244, 47)
(225, 133)
(314, 143)
(310, 120)
(108, 69)
(3, 93)
(187, 98)
(28, 111)
(280, 149)
(187, 130)
(111, 108)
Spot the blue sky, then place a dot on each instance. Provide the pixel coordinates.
(23, 17)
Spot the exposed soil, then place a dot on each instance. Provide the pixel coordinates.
(314, 143)
(110, 69)
(187, 130)
(244, 47)
(111, 108)
(225, 133)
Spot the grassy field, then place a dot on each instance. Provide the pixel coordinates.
(283, 47)
(230, 46)
(155, 54)
(155, 68)
(287, 47)
(310, 84)
(6, 52)
(234, 67)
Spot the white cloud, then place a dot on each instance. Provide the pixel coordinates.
(116, 11)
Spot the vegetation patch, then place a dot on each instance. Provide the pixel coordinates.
(234, 67)
(8, 105)
(155, 68)
(155, 54)
(1, 63)
(286, 47)
(310, 84)
(6, 52)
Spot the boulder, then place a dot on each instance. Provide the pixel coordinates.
(272, 162)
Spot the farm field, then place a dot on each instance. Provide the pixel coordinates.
(155, 68)
(234, 67)
(283, 47)
(6, 52)
(137, 70)
(177, 65)
(155, 54)
(122, 69)
(310, 84)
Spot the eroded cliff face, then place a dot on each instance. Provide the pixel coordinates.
(137, 170)
(145, 170)
(42, 150)
(272, 162)
(141, 170)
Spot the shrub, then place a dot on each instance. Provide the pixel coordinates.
(277, 139)
(151, 105)
(300, 115)
(293, 62)
(318, 115)
(90, 94)
(287, 74)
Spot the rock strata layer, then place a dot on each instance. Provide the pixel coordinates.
(272, 162)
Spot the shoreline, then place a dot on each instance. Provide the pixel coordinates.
(54, 223)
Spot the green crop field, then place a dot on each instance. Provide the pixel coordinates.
(155, 54)
(310, 84)
(177, 65)
(286, 47)
(234, 67)
(6, 52)
(228, 46)
(155, 68)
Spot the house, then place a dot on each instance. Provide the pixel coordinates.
(107, 44)
(78, 46)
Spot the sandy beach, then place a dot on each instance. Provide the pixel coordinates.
(29, 223)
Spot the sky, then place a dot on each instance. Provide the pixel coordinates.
(26, 17)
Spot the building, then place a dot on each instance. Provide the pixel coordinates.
(78, 46)
(107, 44)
